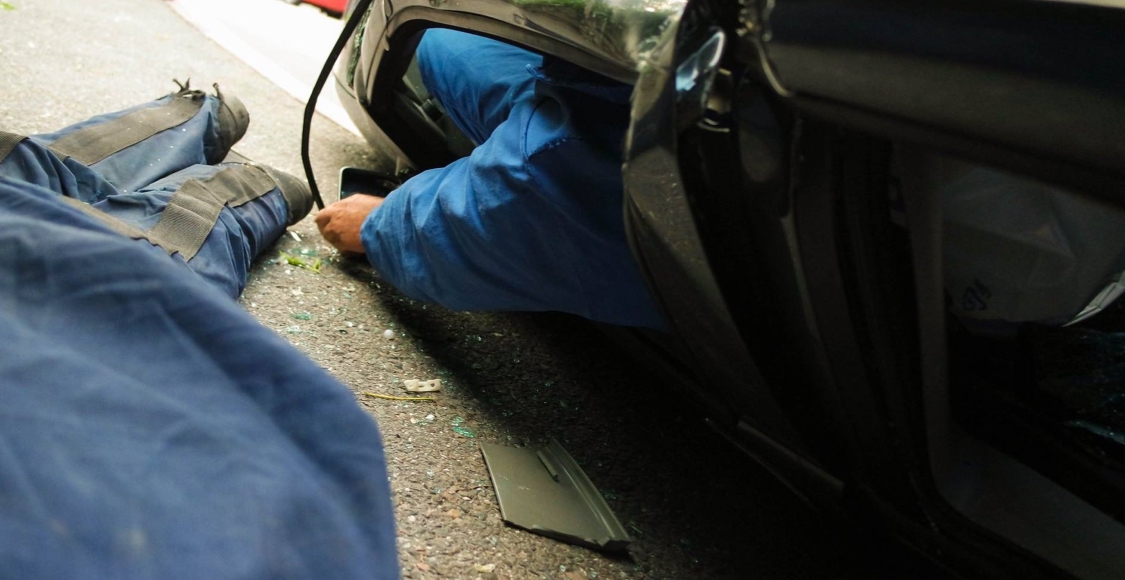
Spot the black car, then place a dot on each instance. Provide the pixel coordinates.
(929, 357)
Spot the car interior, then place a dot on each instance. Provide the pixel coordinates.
(1045, 387)
(1035, 391)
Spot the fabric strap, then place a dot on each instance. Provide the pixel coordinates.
(8, 142)
(93, 144)
(191, 214)
(193, 210)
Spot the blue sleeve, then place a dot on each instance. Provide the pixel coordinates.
(530, 221)
(477, 98)
(449, 235)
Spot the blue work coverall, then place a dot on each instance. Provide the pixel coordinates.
(149, 426)
(532, 220)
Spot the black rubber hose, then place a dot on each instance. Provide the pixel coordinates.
(310, 108)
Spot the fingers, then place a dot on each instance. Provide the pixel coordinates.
(342, 222)
(323, 216)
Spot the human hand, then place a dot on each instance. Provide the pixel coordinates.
(340, 223)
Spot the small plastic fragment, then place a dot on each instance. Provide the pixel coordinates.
(484, 568)
(389, 334)
(417, 386)
(293, 330)
(302, 316)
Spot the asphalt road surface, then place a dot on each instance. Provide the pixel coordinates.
(696, 508)
(286, 43)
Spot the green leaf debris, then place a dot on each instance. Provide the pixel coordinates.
(310, 265)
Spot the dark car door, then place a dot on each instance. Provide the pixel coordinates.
(780, 196)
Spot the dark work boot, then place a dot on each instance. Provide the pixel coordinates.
(229, 115)
(297, 195)
(233, 118)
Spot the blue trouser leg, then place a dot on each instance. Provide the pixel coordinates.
(476, 102)
(31, 162)
(239, 234)
(199, 140)
(151, 428)
(139, 181)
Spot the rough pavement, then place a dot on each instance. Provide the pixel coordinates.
(696, 508)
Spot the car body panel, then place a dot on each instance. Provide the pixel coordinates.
(1039, 79)
(334, 6)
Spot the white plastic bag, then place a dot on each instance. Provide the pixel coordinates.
(1018, 250)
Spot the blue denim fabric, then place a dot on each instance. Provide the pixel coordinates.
(136, 183)
(152, 429)
(196, 142)
(149, 426)
(532, 219)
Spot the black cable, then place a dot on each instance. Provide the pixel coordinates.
(310, 108)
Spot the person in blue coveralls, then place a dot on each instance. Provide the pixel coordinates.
(149, 426)
(532, 219)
